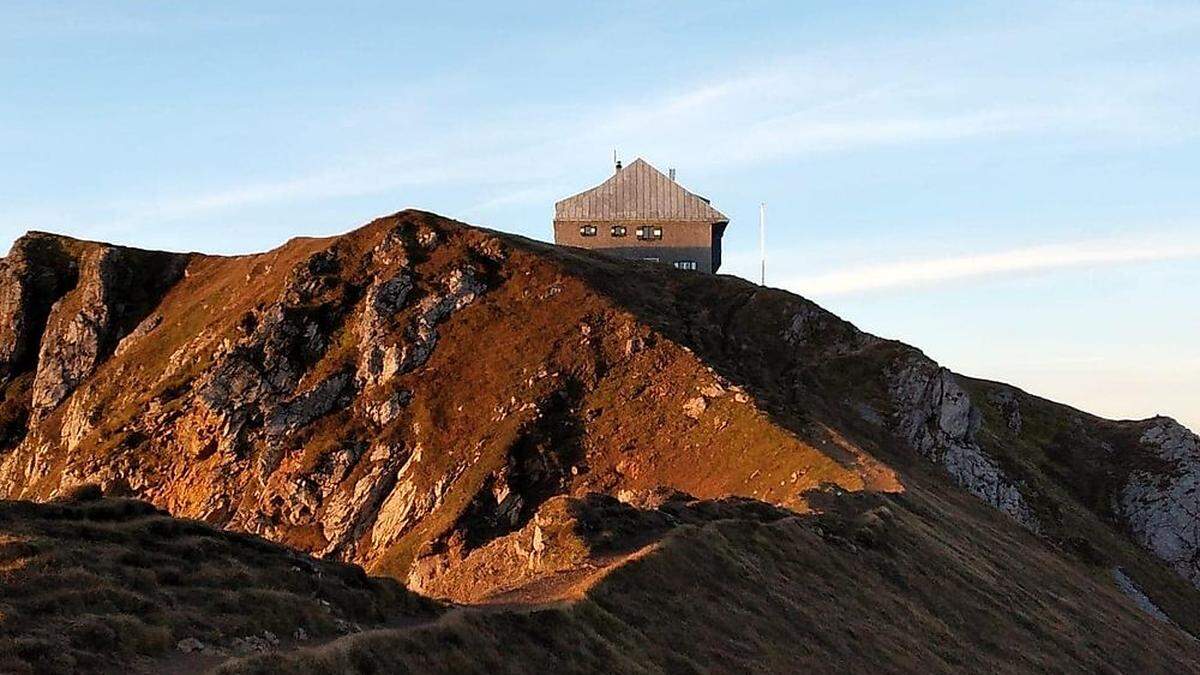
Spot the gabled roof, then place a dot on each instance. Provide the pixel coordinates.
(638, 192)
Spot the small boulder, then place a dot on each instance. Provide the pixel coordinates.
(695, 407)
(189, 645)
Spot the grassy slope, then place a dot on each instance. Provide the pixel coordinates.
(805, 416)
(92, 585)
(626, 407)
(858, 589)
(1070, 464)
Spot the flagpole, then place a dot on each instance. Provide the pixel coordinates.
(762, 241)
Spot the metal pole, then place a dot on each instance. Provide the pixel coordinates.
(762, 241)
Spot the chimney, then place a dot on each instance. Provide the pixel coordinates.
(618, 165)
(671, 174)
(616, 161)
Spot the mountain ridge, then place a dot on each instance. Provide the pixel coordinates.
(467, 410)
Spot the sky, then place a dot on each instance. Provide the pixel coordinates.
(1010, 186)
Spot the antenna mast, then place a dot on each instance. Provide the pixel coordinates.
(762, 241)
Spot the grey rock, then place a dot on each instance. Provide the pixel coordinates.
(380, 358)
(1161, 508)
(1129, 588)
(461, 288)
(77, 331)
(814, 330)
(255, 378)
(349, 512)
(147, 326)
(386, 411)
(335, 391)
(935, 416)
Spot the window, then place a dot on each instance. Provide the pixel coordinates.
(649, 232)
(619, 231)
(587, 230)
(685, 264)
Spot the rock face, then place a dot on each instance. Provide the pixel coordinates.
(935, 415)
(35, 274)
(431, 400)
(114, 290)
(1161, 506)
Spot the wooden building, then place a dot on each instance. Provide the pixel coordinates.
(640, 213)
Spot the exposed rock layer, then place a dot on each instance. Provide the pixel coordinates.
(414, 396)
(1162, 505)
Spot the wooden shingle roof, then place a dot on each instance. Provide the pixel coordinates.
(637, 192)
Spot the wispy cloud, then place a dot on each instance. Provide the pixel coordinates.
(529, 195)
(936, 271)
(846, 99)
(737, 134)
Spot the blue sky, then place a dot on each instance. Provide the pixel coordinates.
(1011, 186)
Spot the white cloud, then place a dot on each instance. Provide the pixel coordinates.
(837, 100)
(530, 195)
(737, 133)
(935, 271)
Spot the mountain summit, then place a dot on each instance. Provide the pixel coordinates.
(599, 464)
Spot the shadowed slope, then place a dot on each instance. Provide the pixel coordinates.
(90, 586)
(872, 585)
(453, 407)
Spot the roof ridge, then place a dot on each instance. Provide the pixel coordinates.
(638, 191)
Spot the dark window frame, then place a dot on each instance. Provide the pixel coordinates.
(649, 233)
(686, 265)
(588, 230)
(619, 231)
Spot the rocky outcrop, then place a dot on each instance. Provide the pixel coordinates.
(334, 392)
(381, 356)
(460, 288)
(822, 334)
(390, 350)
(1161, 506)
(934, 415)
(1009, 404)
(420, 384)
(930, 411)
(350, 512)
(78, 333)
(36, 273)
(115, 289)
(253, 380)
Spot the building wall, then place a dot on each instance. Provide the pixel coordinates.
(681, 241)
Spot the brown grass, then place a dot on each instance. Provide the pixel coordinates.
(90, 585)
(947, 585)
(873, 585)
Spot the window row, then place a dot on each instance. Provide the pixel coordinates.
(644, 232)
(679, 264)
